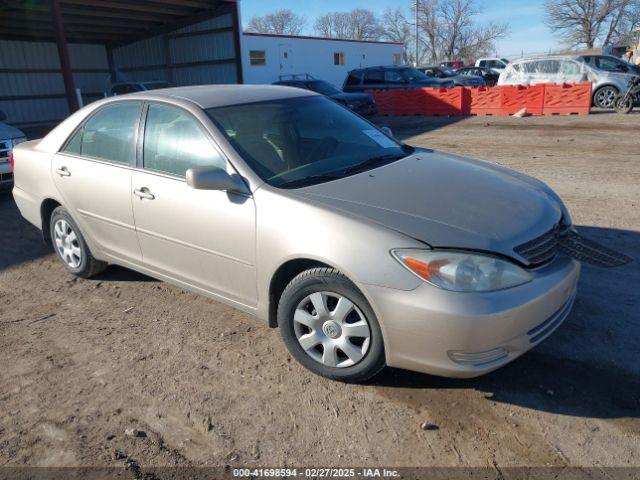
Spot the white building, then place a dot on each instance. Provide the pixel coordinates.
(267, 58)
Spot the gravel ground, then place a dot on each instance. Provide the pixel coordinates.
(85, 360)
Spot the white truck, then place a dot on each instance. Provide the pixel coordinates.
(495, 64)
(9, 136)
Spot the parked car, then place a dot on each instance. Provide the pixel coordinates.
(361, 103)
(489, 76)
(374, 78)
(608, 63)
(122, 88)
(606, 85)
(614, 50)
(364, 251)
(454, 64)
(495, 64)
(9, 137)
(457, 79)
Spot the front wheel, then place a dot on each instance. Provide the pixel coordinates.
(624, 104)
(329, 327)
(605, 97)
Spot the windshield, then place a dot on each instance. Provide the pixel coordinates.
(325, 88)
(301, 141)
(412, 75)
(448, 72)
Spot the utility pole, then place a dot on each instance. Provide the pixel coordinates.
(415, 62)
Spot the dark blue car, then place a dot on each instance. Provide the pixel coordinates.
(361, 103)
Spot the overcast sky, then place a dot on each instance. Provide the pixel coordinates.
(528, 31)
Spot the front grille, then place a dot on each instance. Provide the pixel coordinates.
(5, 150)
(541, 249)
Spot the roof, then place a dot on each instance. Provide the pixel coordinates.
(211, 96)
(307, 37)
(101, 21)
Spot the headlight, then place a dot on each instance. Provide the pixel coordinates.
(462, 271)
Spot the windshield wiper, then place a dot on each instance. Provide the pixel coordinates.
(311, 180)
(358, 167)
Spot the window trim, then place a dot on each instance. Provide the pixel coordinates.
(139, 164)
(253, 59)
(132, 162)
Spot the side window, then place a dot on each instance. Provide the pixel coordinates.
(392, 76)
(108, 135)
(372, 77)
(354, 78)
(174, 142)
(482, 63)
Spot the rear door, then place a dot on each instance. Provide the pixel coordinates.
(93, 172)
(204, 238)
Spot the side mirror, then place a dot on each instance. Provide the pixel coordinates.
(3, 116)
(622, 68)
(214, 178)
(387, 131)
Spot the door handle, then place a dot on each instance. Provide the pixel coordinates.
(144, 193)
(63, 172)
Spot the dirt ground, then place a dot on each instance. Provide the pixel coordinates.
(81, 361)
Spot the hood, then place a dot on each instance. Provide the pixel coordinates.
(436, 82)
(468, 80)
(7, 131)
(447, 201)
(353, 97)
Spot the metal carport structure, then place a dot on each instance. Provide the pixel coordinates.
(50, 47)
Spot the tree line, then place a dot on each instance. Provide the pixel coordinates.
(449, 30)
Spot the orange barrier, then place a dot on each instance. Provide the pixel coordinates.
(409, 101)
(483, 101)
(443, 101)
(567, 99)
(542, 99)
(515, 98)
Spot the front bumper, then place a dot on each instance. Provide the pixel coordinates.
(455, 334)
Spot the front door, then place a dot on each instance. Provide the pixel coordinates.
(204, 238)
(93, 172)
(286, 60)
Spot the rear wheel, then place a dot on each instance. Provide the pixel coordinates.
(605, 97)
(329, 327)
(71, 247)
(624, 104)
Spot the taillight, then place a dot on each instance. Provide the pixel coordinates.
(13, 162)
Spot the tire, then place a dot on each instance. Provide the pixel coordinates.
(605, 97)
(70, 246)
(332, 329)
(623, 105)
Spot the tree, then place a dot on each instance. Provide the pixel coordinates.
(358, 24)
(396, 28)
(280, 22)
(448, 31)
(585, 22)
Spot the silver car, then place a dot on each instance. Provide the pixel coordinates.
(606, 84)
(364, 251)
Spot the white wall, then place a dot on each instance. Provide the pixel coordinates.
(312, 56)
